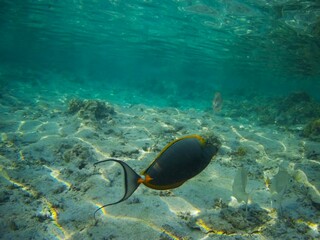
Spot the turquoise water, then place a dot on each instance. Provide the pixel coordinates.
(162, 52)
(87, 80)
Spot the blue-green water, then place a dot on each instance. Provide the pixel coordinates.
(181, 50)
(87, 80)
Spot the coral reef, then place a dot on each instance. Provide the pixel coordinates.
(92, 110)
(74, 106)
(293, 99)
(77, 152)
(312, 130)
(312, 150)
(296, 108)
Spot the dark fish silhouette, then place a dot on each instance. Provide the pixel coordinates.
(179, 161)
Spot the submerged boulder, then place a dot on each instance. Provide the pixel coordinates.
(74, 106)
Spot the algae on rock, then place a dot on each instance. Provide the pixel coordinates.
(92, 110)
(312, 130)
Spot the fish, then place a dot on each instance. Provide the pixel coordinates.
(239, 185)
(280, 182)
(179, 161)
(278, 186)
(217, 102)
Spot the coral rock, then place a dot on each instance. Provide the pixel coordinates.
(91, 109)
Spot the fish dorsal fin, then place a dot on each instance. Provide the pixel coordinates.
(131, 181)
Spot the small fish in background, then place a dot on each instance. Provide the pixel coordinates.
(278, 186)
(239, 186)
(217, 102)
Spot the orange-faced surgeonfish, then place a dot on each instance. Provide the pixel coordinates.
(179, 161)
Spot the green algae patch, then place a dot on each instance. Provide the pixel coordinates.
(312, 130)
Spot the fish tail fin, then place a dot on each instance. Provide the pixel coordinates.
(131, 180)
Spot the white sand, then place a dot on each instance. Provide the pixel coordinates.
(50, 189)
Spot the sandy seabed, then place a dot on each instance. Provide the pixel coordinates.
(50, 188)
